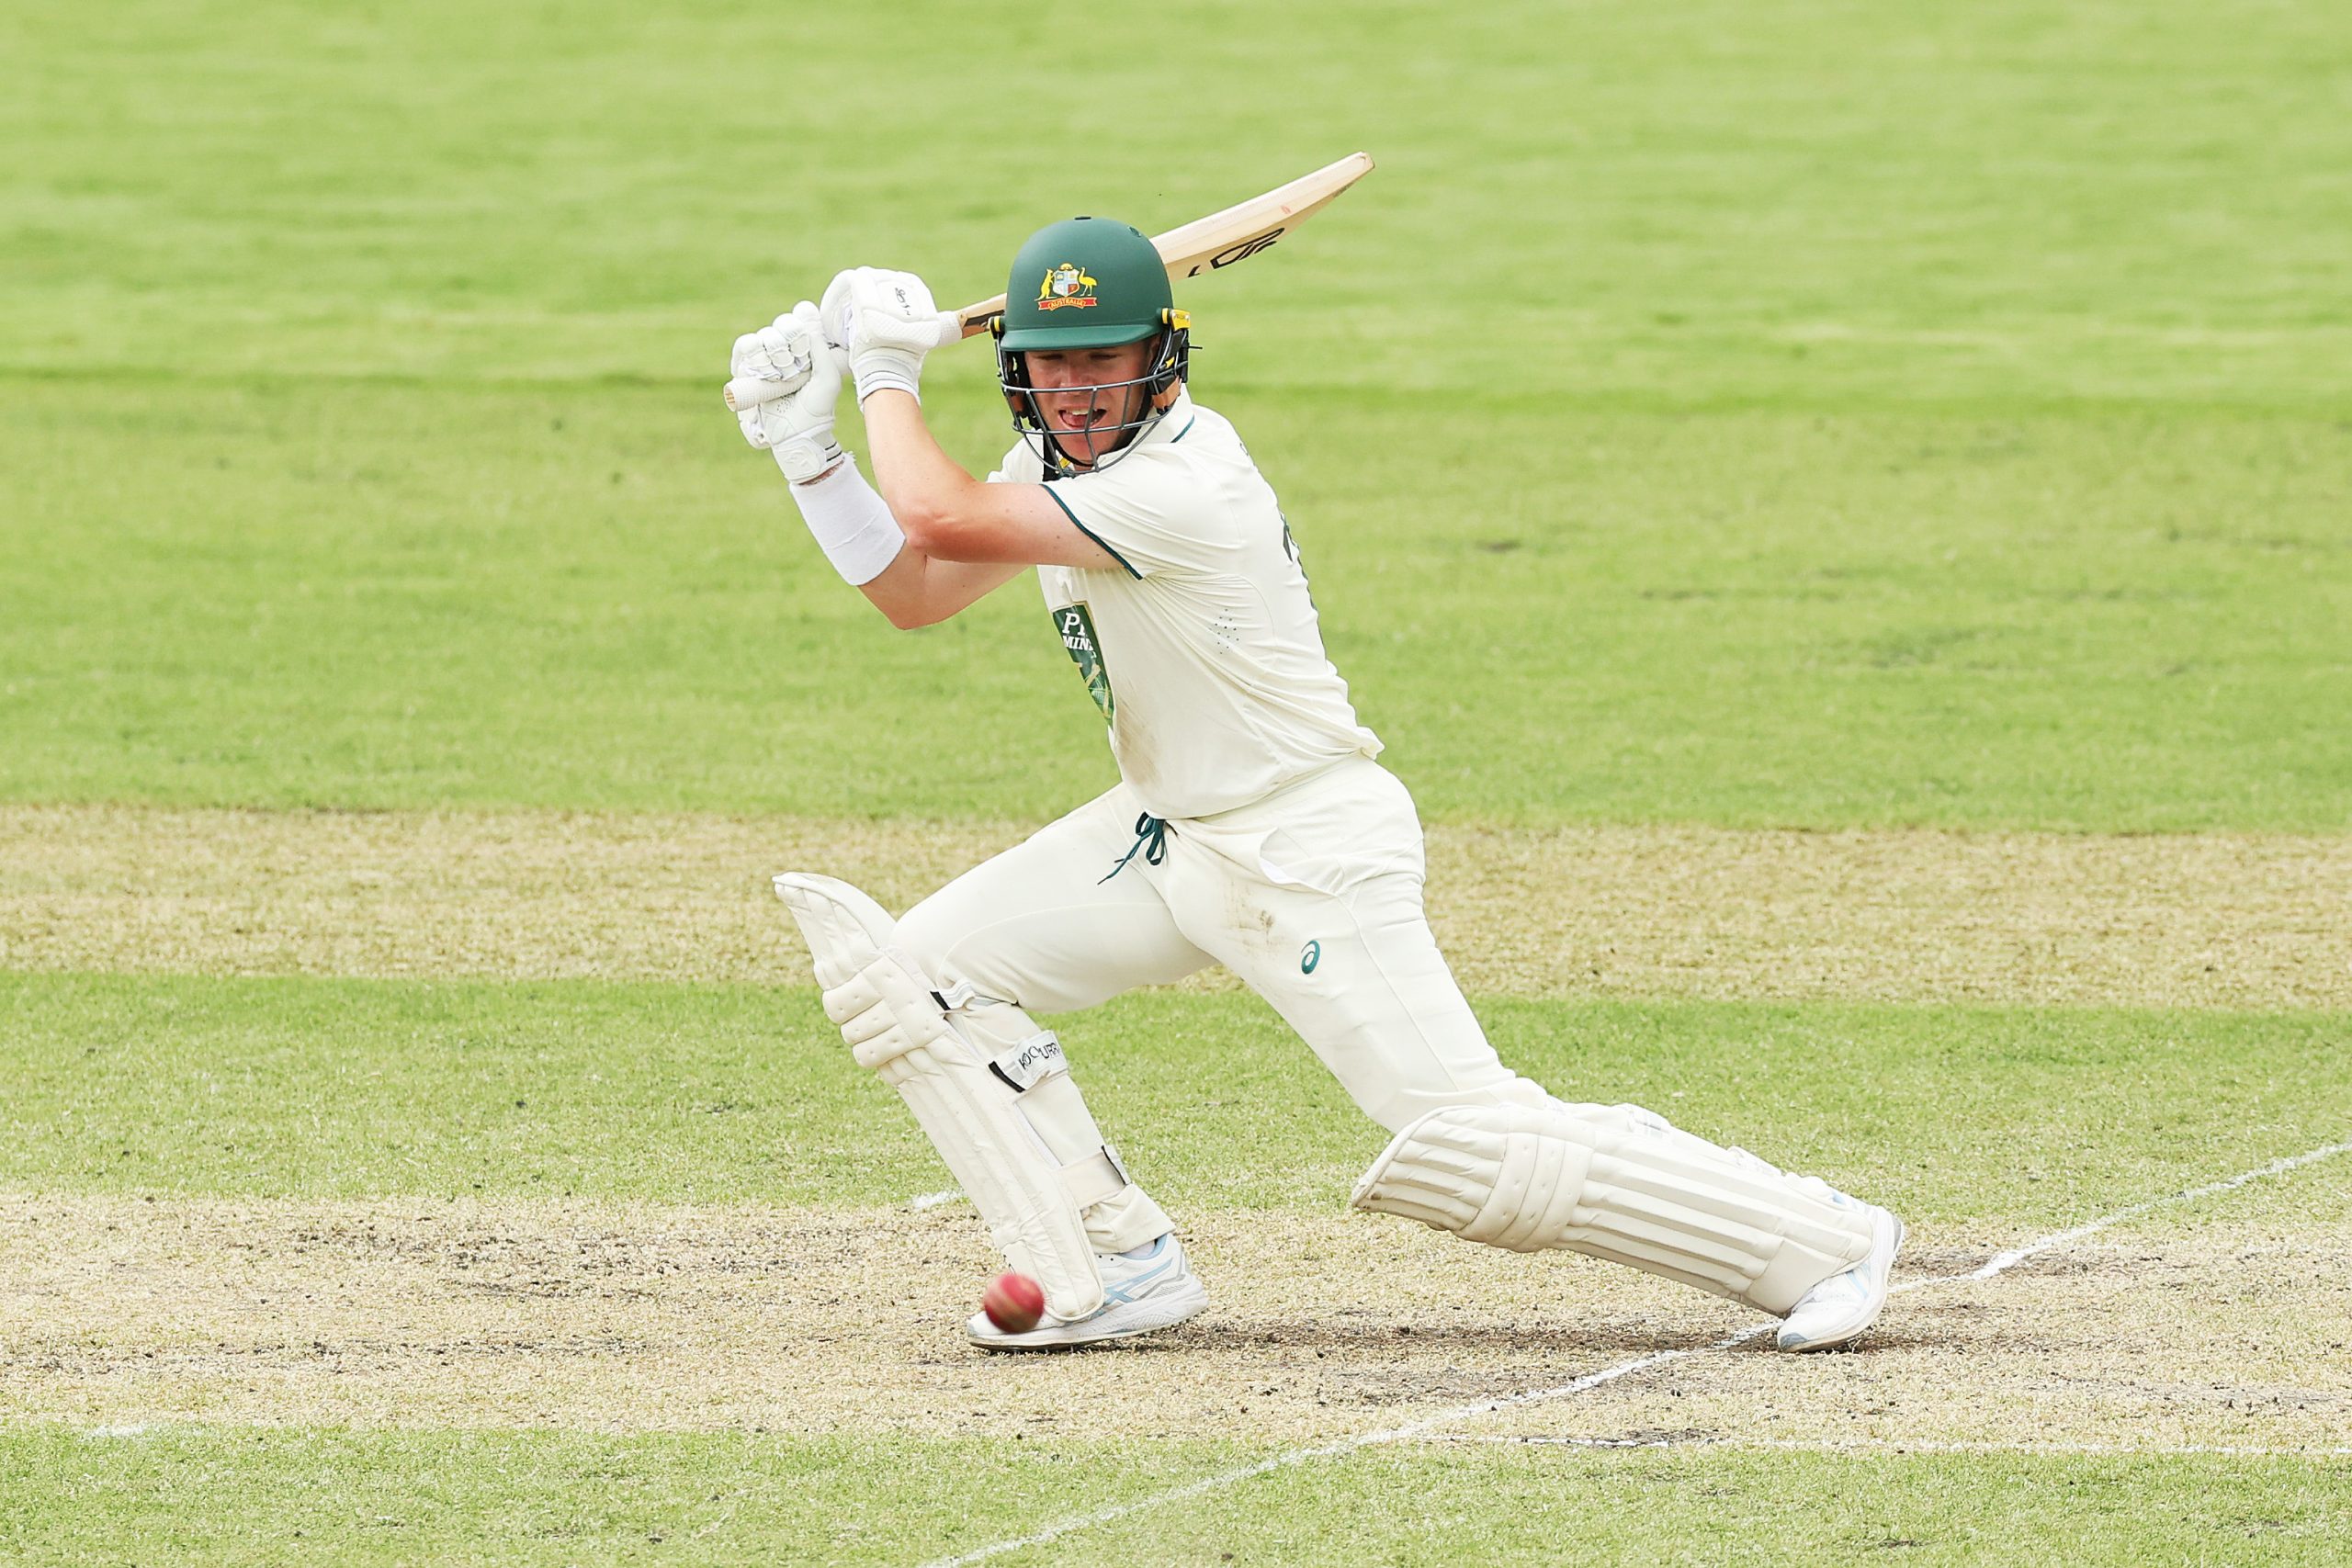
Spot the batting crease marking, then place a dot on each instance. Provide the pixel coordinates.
(2001, 1263)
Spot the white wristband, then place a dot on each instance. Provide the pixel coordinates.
(852, 524)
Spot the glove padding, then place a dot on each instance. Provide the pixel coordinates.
(797, 428)
(886, 323)
(777, 357)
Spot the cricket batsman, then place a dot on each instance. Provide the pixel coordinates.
(1253, 826)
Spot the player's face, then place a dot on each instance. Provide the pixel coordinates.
(1079, 395)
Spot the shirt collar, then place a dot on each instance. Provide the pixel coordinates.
(1172, 424)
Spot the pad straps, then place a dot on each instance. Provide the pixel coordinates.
(892, 1018)
(1090, 1179)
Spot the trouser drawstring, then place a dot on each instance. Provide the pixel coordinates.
(1151, 839)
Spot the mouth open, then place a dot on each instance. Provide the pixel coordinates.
(1082, 419)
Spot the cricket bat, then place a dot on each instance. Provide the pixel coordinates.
(1205, 244)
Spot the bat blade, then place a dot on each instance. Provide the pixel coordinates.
(1205, 244)
(1220, 240)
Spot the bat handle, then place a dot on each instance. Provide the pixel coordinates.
(969, 322)
(748, 391)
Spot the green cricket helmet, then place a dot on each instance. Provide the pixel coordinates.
(1090, 283)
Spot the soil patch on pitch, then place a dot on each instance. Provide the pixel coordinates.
(2240, 921)
(123, 1310)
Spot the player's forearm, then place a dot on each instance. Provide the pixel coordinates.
(922, 484)
(916, 589)
(862, 535)
(901, 593)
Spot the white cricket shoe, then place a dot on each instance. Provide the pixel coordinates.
(1156, 1291)
(1841, 1308)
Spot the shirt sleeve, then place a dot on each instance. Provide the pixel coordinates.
(1011, 470)
(1153, 511)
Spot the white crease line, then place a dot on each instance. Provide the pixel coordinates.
(1897, 1446)
(2007, 1260)
(932, 1199)
(2001, 1263)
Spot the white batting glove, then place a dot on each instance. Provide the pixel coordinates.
(773, 361)
(797, 428)
(886, 323)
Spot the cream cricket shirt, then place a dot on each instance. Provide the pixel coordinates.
(1201, 647)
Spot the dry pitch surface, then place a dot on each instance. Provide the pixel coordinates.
(2222, 1325)
(118, 1312)
(2246, 921)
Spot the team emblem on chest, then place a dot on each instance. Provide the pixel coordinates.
(1085, 650)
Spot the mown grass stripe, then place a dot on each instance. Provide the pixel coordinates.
(345, 1089)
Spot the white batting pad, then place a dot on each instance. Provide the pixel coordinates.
(1619, 1183)
(896, 1025)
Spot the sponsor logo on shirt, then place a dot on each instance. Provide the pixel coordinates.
(1085, 650)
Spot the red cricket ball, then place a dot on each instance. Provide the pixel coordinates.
(1013, 1301)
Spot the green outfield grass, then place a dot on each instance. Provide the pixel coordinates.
(405, 596)
(1820, 200)
(342, 1088)
(1834, 415)
(1825, 413)
(386, 1498)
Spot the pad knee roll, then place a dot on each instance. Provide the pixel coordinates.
(1621, 1184)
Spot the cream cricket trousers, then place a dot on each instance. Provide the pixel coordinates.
(1312, 896)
